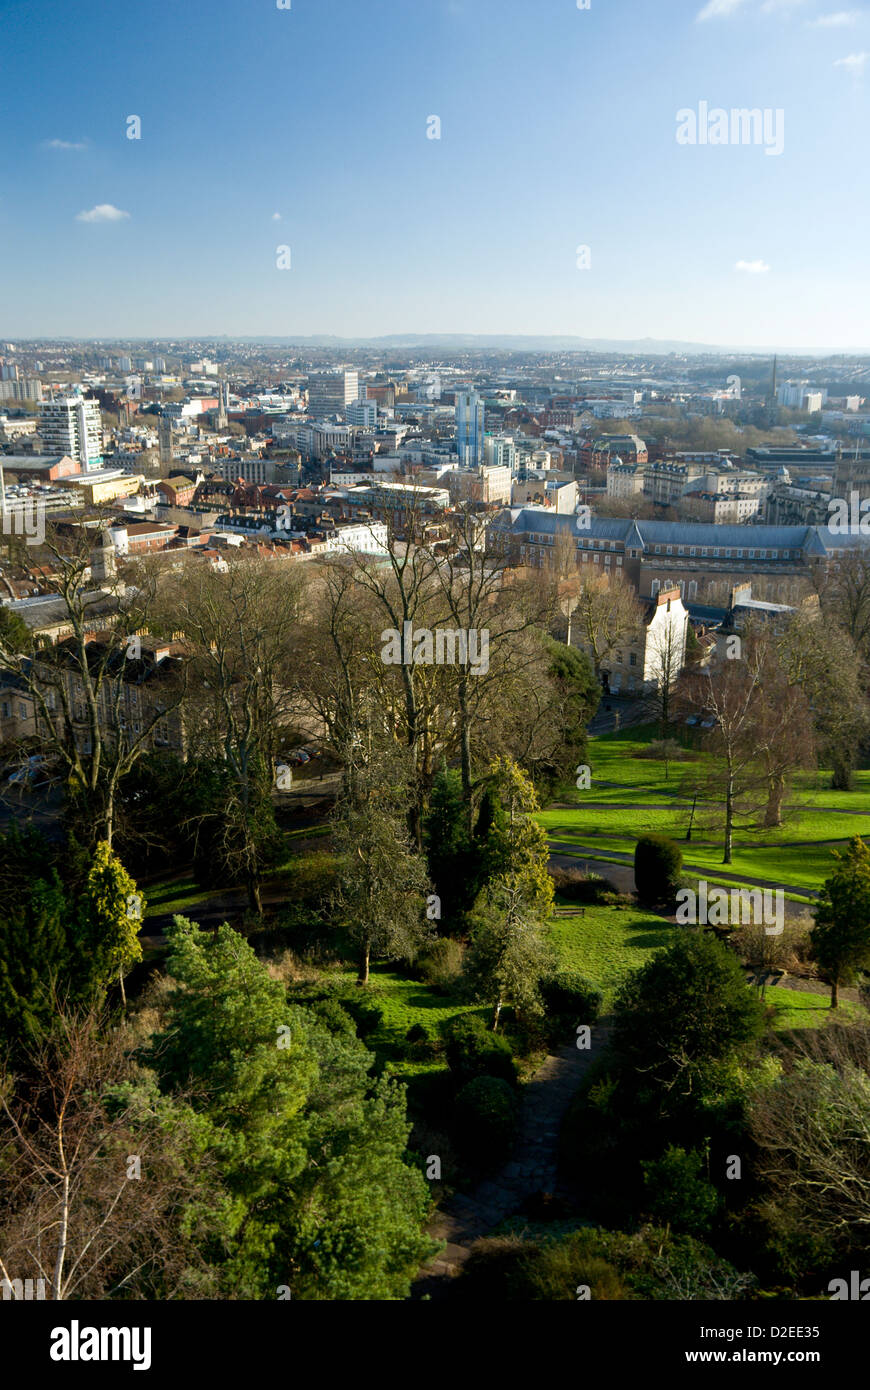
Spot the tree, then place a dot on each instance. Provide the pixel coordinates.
(607, 613)
(507, 953)
(310, 1147)
(684, 1008)
(821, 658)
(382, 886)
(36, 962)
(81, 686)
(679, 1194)
(239, 628)
(107, 1187)
(658, 862)
(14, 633)
(812, 1131)
(840, 940)
(109, 917)
(452, 856)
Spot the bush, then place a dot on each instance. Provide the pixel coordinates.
(368, 1017)
(568, 1000)
(473, 1051)
(440, 966)
(679, 1194)
(663, 750)
(485, 1121)
(579, 887)
(517, 1269)
(658, 862)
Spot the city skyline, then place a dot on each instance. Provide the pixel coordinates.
(350, 137)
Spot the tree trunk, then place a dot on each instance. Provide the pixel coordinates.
(497, 1016)
(835, 992)
(121, 983)
(775, 789)
(729, 821)
(363, 976)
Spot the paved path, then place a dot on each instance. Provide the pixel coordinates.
(531, 1169)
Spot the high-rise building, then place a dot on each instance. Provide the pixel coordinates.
(364, 414)
(71, 425)
(330, 393)
(499, 451)
(469, 428)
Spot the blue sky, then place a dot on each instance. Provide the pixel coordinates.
(557, 130)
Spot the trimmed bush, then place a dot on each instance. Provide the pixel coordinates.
(474, 1050)
(485, 1121)
(658, 863)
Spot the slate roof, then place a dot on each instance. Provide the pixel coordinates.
(813, 540)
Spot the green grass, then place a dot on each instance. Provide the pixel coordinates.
(404, 1003)
(606, 943)
(177, 895)
(800, 1009)
(822, 819)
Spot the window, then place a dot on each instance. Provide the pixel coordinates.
(692, 550)
(22, 711)
(4, 709)
(632, 658)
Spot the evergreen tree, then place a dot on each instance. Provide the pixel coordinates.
(109, 917)
(309, 1145)
(840, 939)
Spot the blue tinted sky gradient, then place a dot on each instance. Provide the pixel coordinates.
(558, 129)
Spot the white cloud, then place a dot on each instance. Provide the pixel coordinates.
(719, 9)
(839, 19)
(103, 212)
(855, 63)
(771, 6)
(276, 217)
(66, 144)
(753, 267)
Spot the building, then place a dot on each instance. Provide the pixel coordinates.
(499, 451)
(654, 654)
(363, 414)
(330, 393)
(624, 480)
(469, 416)
(703, 561)
(483, 484)
(72, 425)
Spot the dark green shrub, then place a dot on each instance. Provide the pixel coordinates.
(485, 1121)
(474, 1050)
(658, 863)
(678, 1192)
(440, 965)
(368, 1017)
(578, 887)
(568, 1000)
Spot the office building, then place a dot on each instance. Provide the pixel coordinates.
(71, 425)
(469, 428)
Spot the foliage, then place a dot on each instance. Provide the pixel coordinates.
(840, 940)
(485, 1116)
(678, 1193)
(657, 865)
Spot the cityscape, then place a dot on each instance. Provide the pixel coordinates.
(435, 701)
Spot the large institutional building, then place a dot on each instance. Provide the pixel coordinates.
(71, 425)
(701, 561)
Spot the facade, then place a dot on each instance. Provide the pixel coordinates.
(72, 425)
(363, 414)
(499, 451)
(703, 561)
(469, 414)
(624, 479)
(483, 484)
(330, 393)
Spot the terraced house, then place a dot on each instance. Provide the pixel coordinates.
(702, 561)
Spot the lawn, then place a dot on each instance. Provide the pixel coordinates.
(606, 943)
(800, 1009)
(404, 1003)
(796, 854)
(176, 895)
